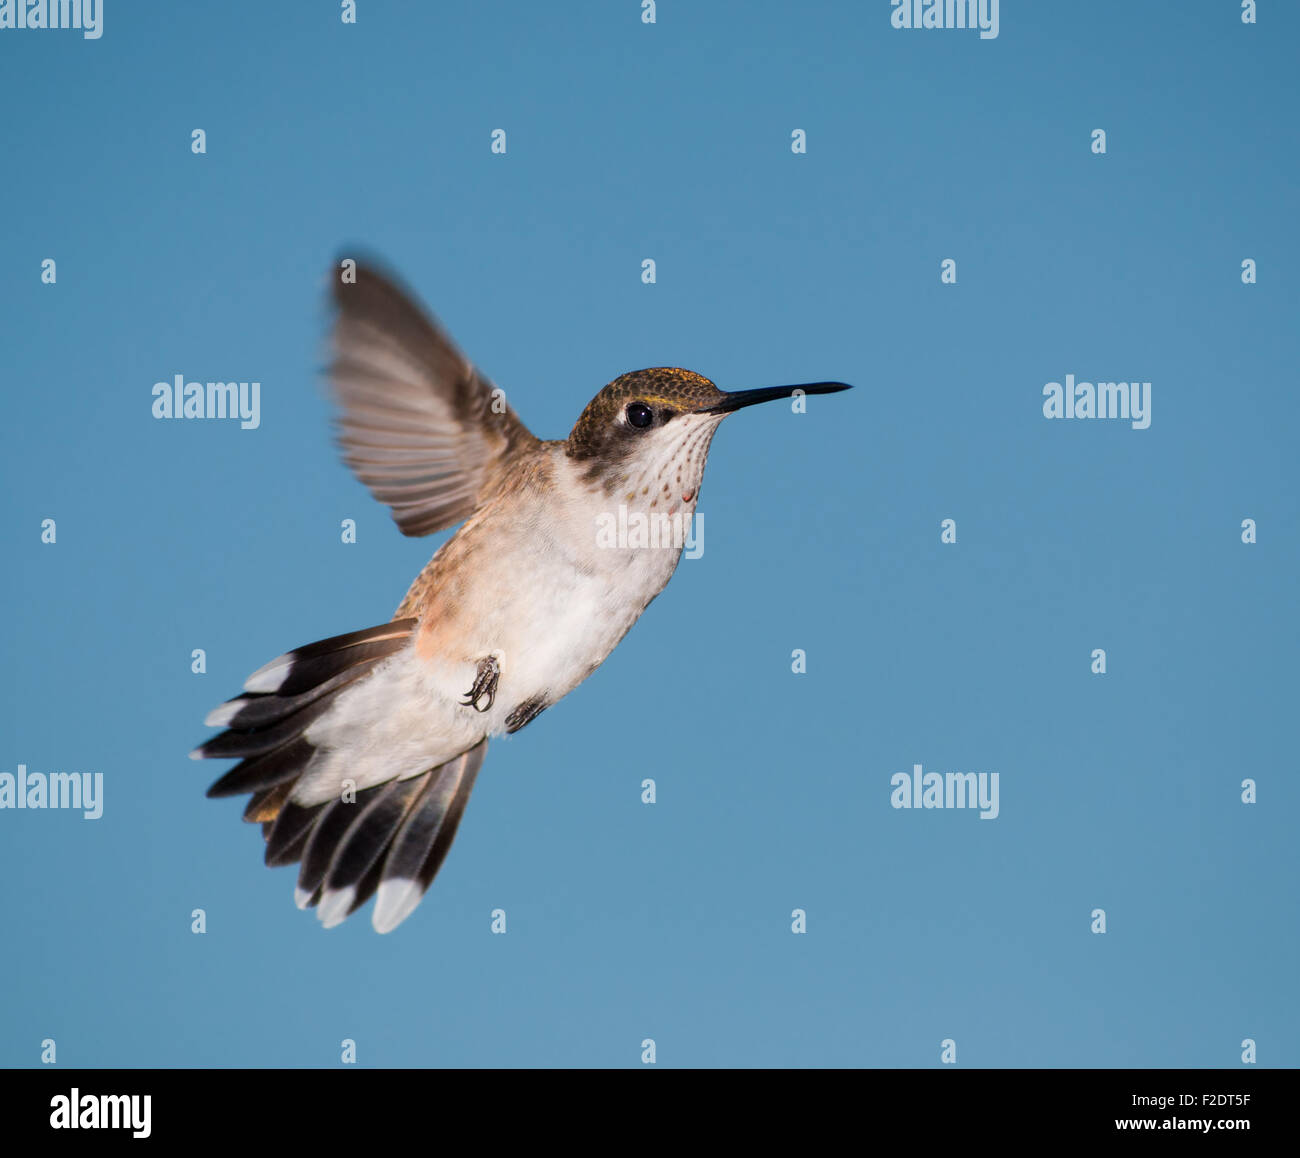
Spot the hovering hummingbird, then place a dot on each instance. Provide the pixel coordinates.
(361, 751)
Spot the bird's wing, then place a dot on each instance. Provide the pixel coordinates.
(420, 426)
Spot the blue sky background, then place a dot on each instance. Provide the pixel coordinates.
(671, 142)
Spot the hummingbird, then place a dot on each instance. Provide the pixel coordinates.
(360, 751)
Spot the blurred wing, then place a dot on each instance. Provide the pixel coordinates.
(419, 425)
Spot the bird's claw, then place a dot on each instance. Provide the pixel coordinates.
(485, 684)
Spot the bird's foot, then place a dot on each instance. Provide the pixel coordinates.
(525, 713)
(485, 684)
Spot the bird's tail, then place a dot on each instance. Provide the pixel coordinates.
(389, 838)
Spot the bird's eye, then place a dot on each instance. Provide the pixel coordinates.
(639, 415)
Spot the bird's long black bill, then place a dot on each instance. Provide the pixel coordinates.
(736, 399)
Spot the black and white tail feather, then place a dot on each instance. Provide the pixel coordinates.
(390, 838)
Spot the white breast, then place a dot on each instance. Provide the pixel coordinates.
(550, 599)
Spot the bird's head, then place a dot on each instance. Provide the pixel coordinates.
(648, 432)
